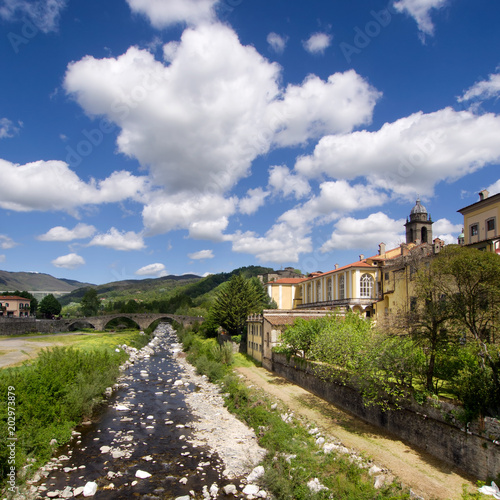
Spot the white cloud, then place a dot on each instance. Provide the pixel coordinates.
(315, 107)
(201, 255)
(446, 231)
(284, 181)
(411, 155)
(7, 128)
(280, 244)
(44, 14)
(277, 42)
(198, 121)
(162, 13)
(205, 216)
(60, 233)
(317, 43)
(420, 11)
(6, 242)
(494, 188)
(254, 200)
(335, 199)
(157, 270)
(485, 89)
(52, 185)
(70, 261)
(119, 240)
(350, 233)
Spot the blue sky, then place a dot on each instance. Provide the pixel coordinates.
(140, 138)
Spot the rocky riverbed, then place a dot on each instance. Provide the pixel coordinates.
(165, 434)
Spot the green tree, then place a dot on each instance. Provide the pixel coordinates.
(90, 303)
(234, 301)
(49, 306)
(470, 281)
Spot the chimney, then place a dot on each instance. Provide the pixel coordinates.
(483, 195)
(336, 266)
(361, 257)
(381, 249)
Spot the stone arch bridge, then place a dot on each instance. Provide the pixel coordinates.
(143, 320)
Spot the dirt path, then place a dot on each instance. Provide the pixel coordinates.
(15, 350)
(426, 476)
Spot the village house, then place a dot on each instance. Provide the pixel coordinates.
(14, 307)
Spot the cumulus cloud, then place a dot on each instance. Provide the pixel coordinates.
(60, 233)
(277, 42)
(350, 233)
(494, 188)
(157, 270)
(70, 261)
(6, 243)
(446, 231)
(411, 155)
(253, 201)
(119, 240)
(485, 89)
(283, 181)
(420, 10)
(52, 185)
(199, 120)
(281, 243)
(205, 216)
(201, 255)
(44, 14)
(7, 128)
(163, 13)
(317, 43)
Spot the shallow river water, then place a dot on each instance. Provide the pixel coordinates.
(145, 427)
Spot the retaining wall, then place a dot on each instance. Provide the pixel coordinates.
(19, 326)
(475, 450)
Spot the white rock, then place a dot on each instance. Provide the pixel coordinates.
(53, 494)
(105, 449)
(78, 491)
(183, 480)
(214, 490)
(374, 470)
(315, 486)
(379, 482)
(230, 489)
(67, 492)
(251, 489)
(90, 489)
(122, 408)
(142, 474)
(320, 441)
(257, 473)
(262, 494)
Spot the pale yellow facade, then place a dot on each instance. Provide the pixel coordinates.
(481, 221)
(14, 307)
(284, 291)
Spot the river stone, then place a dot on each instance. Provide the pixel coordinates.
(251, 489)
(257, 473)
(230, 489)
(141, 474)
(78, 491)
(90, 489)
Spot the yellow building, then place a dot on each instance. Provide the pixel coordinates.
(481, 223)
(284, 291)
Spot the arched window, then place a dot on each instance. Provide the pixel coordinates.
(366, 286)
(424, 234)
(341, 287)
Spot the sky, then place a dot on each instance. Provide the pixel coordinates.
(142, 138)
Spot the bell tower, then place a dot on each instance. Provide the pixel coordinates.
(419, 225)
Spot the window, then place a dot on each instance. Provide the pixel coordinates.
(342, 287)
(318, 291)
(366, 286)
(329, 288)
(386, 276)
(490, 225)
(474, 230)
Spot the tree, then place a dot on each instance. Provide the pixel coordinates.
(90, 303)
(49, 306)
(235, 300)
(470, 281)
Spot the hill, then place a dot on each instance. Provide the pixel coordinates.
(37, 283)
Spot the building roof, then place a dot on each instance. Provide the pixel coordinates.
(418, 208)
(13, 297)
(490, 199)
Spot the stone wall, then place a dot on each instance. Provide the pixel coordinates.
(475, 450)
(19, 326)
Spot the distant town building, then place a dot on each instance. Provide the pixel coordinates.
(14, 307)
(418, 225)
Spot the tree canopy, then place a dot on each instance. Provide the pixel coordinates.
(49, 306)
(90, 303)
